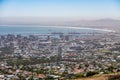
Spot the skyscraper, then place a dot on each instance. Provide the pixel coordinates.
(59, 56)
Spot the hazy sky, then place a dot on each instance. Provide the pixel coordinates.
(78, 9)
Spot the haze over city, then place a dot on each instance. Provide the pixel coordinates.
(90, 13)
(60, 9)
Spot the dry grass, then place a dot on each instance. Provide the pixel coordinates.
(95, 78)
(98, 77)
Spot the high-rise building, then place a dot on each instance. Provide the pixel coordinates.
(59, 57)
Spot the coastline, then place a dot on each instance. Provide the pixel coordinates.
(67, 27)
(106, 30)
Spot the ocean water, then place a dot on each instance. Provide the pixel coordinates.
(26, 30)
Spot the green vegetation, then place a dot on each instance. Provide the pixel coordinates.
(6, 50)
(31, 61)
(115, 49)
(80, 75)
(91, 73)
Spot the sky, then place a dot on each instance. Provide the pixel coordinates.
(77, 9)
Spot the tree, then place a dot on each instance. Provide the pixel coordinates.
(91, 73)
(80, 75)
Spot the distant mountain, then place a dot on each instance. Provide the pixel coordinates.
(102, 23)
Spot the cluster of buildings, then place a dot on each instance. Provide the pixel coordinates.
(62, 55)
